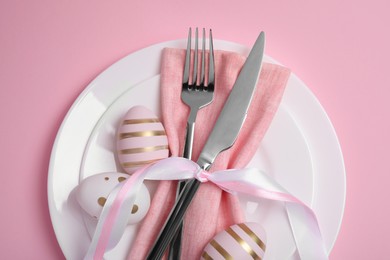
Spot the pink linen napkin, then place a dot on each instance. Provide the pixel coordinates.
(212, 209)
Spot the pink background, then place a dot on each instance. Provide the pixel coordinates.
(50, 50)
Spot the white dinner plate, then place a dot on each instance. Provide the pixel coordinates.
(300, 150)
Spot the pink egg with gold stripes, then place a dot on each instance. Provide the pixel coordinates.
(141, 139)
(240, 241)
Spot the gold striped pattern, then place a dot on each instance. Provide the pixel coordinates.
(221, 250)
(144, 149)
(243, 243)
(140, 121)
(141, 134)
(252, 234)
(139, 163)
(206, 256)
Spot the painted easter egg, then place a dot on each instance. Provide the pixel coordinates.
(141, 139)
(93, 191)
(241, 241)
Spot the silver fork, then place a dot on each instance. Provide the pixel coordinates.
(197, 94)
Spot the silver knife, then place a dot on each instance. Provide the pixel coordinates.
(222, 137)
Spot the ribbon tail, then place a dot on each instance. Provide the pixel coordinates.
(302, 219)
(115, 215)
(117, 209)
(306, 232)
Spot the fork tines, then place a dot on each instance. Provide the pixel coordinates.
(193, 82)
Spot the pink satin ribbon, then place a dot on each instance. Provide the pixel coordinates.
(249, 181)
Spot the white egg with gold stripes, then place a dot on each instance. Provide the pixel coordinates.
(141, 139)
(241, 241)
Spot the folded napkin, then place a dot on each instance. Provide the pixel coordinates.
(212, 209)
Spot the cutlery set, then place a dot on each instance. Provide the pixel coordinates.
(197, 94)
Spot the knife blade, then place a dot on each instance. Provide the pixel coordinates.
(233, 114)
(222, 137)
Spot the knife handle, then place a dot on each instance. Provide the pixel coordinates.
(174, 220)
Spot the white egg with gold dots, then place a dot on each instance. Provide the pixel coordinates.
(94, 190)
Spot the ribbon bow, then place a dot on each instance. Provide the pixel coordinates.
(249, 181)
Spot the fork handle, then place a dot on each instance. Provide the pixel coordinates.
(187, 153)
(174, 220)
(175, 247)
